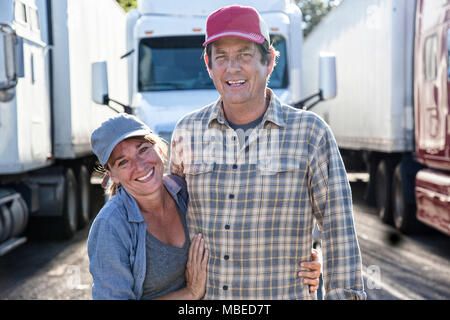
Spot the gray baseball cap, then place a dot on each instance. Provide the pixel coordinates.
(113, 131)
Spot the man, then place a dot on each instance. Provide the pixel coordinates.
(255, 199)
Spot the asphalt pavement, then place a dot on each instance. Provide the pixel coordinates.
(394, 266)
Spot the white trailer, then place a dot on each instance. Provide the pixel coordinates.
(167, 76)
(46, 113)
(373, 43)
(372, 116)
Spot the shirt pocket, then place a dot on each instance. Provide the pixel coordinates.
(283, 183)
(200, 180)
(277, 164)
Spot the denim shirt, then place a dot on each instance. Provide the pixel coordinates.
(116, 243)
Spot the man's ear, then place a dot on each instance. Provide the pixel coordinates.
(205, 57)
(271, 63)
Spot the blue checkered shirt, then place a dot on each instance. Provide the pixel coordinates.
(256, 204)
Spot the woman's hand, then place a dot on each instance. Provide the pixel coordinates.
(196, 267)
(310, 272)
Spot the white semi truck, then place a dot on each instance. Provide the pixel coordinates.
(47, 48)
(167, 77)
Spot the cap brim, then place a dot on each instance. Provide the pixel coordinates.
(252, 37)
(137, 133)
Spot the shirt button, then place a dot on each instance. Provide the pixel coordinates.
(231, 196)
(226, 257)
(227, 227)
(225, 288)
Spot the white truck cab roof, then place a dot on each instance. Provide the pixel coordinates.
(204, 8)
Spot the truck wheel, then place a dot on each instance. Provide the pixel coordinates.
(383, 191)
(66, 225)
(404, 213)
(84, 195)
(5, 224)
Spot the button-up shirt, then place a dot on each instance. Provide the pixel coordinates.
(256, 204)
(116, 244)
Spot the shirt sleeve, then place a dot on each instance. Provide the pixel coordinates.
(332, 207)
(109, 263)
(176, 155)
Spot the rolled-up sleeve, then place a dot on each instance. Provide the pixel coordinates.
(109, 263)
(332, 207)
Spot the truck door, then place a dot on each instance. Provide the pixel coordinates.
(432, 98)
(33, 92)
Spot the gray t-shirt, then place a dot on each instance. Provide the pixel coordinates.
(243, 131)
(166, 265)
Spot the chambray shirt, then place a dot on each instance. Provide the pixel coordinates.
(256, 204)
(116, 244)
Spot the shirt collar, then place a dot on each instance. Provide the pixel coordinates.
(274, 112)
(131, 206)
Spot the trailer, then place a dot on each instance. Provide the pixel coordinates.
(390, 115)
(47, 48)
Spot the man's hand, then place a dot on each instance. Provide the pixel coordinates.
(310, 272)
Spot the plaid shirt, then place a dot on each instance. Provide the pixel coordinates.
(256, 205)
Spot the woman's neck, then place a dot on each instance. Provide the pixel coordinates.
(154, 203)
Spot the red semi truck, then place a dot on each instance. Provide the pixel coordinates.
(391, 114)
(432, 120)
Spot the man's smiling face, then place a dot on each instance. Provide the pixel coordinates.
(237, 71)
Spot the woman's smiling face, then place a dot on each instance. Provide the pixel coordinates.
(136, 164)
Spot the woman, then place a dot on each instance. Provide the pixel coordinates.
(138, 245)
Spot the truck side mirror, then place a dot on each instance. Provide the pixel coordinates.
(327, 83)
(11, 57)
(100, 83)
(327, 76)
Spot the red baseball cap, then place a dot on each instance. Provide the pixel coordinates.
(236, 21)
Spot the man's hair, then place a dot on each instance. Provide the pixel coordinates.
(264, 48)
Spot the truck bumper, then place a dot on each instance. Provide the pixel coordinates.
(433, 199)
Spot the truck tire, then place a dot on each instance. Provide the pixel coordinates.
(84, 195)
(66, 225)
(13, 214)
(383, 191)
(404, 213)
(5, 224)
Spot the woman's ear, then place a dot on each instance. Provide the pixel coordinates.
(105, 180)
(111, 175)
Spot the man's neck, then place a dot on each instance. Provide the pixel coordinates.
(246, 113)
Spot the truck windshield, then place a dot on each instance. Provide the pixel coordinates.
(176, 63)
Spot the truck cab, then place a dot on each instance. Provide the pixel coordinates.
(432, 116)
(167, 74)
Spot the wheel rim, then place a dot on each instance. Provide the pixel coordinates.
(84, 194)
(398, 205)
(381, 190)
(71, 202)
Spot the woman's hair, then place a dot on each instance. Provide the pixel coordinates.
(110, 187)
